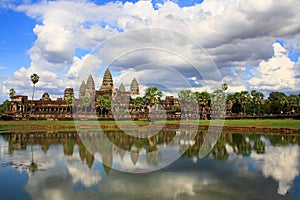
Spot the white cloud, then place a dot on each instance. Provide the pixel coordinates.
(235, 33)
(277, 73)
(81, 173)
(280, 163)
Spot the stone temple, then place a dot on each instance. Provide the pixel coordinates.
(21, 107)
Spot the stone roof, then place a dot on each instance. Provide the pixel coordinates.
(82, 90)
(122, 88)
(107, 83)
(90, 87)
(134, 87)
(69, 92)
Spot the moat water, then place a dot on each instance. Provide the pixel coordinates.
(59, 166)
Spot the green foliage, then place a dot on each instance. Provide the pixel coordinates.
(34, 78)
(203, 98)
(139, 103)
(86, 101)
(12, 93)
(3, 106)
(218, 101)
(186, 96)
(257, 100)
(104, 102)
(188, 101)
(176, 107)
(277, 102)
(70, 101)
(224, 86)
(153, 95)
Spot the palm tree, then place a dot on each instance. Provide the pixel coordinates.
(283, 102)
(253, 98)
(257, 98)
(245, 98)
(203, 99)
(224, 87)
(12, 92)
(34, 79)
(33, 167)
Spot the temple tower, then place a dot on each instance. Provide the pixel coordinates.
(134, 87)
(82, 90)
(90, 87)
(69, 92)
(107, 83)
(122, 88)
(107, 86)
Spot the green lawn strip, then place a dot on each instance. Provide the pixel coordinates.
(68, 125)
(264, 123)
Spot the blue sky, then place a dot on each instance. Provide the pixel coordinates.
(239, 36)
(16, 38)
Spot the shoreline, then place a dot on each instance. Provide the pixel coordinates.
(255, 126)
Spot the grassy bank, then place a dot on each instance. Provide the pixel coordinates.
(70, 125)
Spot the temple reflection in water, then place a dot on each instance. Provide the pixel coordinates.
(122, 145)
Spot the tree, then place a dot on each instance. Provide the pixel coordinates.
(3, 106)
(284, 103)
(293, 102)
(153, 95)
(70, 102)
(139, 103)
(175, 107)
(236, 100)
(100, 103)
(188, 101)
(86, 101)
(224, 87)
(204, 99)
(257, 99)
(33, 167)
(244, 100)
(12, 93)
(218, 101)
(34, 79)
(104, 102)
(107, 102)
(277, 102)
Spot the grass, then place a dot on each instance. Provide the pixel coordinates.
(70, 125)
(264, 123)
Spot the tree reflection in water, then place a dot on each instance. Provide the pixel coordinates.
(189, 147)
(230, 146)
(33, 167)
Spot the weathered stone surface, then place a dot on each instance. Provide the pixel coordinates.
(107, 83)
(134, 87)
(122, 88)
(82, 90)
(90, 87)
(69, 92)
(46, 97)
